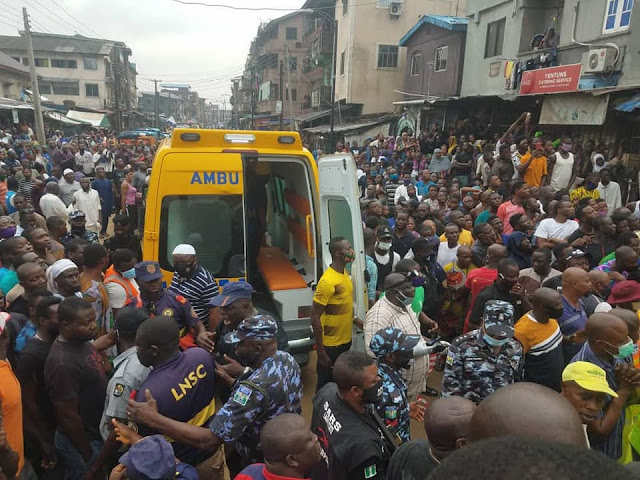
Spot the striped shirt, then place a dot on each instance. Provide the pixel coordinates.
(542, 344)
(199, 289)
(385, 314)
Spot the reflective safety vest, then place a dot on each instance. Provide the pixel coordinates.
(133, 295)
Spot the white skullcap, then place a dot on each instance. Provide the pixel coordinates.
(184, 249)
(603, 307)
(55, 270)
(68, 170)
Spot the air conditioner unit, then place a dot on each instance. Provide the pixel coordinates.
(598, 60)
(298, 44)
(395, 8)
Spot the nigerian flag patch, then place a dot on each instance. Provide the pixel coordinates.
(370, 471)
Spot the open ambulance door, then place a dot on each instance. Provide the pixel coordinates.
(340, 217)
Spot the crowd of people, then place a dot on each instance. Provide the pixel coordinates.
(510, 265)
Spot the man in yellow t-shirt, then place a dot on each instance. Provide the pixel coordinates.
(332, 310)
(535, 167)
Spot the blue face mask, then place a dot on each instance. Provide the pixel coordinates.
(394, 177)
(131, 273)
(492, 342)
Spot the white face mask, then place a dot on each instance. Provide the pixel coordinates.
(385, 246)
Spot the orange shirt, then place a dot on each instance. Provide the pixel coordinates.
(11, 397)
(3, 192)
(537, 169)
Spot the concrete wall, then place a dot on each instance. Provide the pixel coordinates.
(534, 16)
(425, 42)
(79, 74)
(11, 84)
(360, 31)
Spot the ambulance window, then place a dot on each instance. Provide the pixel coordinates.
(213, 224)
(340, 222)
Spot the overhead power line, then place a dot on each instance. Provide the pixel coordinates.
(260, 9)
(86, 27)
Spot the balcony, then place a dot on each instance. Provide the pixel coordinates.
(322, 44)
(321, 97)
(313, 73)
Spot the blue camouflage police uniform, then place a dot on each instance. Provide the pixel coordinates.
(91, 237)
(168, 304)
(472, 369)
(258, 395)
(393, 408)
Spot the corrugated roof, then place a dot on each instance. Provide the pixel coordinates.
(8, 63)
(456, 24)
(44, 42)
(350, 127)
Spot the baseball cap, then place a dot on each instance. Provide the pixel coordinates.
(574, 254)
(623, 292)
(76, 214)
(498, 319)
(589, 376)
(384, 232)
(148, 271)
(231, 292)
(390, 340)
(258, 327)
(151, 457)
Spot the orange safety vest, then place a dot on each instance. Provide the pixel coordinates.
(133, 295)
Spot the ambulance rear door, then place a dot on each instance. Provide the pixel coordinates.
(339, 216)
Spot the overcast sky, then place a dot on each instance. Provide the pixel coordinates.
(202, 46)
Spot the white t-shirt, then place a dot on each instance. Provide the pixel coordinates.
(86, 161)
(447, 254)
(549, 228)
(117, 293)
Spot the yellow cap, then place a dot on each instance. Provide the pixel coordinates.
(589, 376)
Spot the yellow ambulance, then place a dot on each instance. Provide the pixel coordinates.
(258, 208)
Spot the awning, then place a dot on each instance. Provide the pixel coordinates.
(350, 126)
(59, 117)
(98, 120)
(42, 97)
(630, 105)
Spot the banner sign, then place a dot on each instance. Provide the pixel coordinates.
(564, 78)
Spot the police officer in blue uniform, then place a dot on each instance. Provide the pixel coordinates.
(78, 221)
(157, 301)
(394, 351)
(268, 383)
(484, 360)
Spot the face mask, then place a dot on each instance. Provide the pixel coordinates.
(494, 342)
(184, 270)
(247, 359)
(77, 230)
(407, 183)
(386, 246)
(406, 301)
(566, 147)
(131, 273)
(373, 394)
(349, 257)
(394, 177)
(624, 351)
(7, 232)
(555, 313)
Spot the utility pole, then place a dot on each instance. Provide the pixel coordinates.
(157, 103)
(224, 107)
(286, 59)
(281, 95)
(37, 108)
(235, 106)
(253, 81)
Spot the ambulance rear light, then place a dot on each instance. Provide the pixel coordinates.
(287, 139)
(242, 138)
(190, 137)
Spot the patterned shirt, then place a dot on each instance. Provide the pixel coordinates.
(474, 371)
(393, 408)
(264, 393)
(199, 289)
(385, 314)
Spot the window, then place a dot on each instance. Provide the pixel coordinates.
(383, 4)
(17, 59)
(293, 63)
(618, 15)
(495, 38)
(416, 64)
(441, 59)
(345, 7)
(187, 219)
(90, 63)
(342, 63)
(91, 89)
(387, 56)
(41, 62)
(340, 219)
(63, 63)
(292, 33)
(25, 61)
(45, 89)
(67, 88)
(294, 94)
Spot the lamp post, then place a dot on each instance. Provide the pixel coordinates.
(334, 24)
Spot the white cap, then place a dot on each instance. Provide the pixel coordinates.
(68, 170)
(603, 307)
(184, 249)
